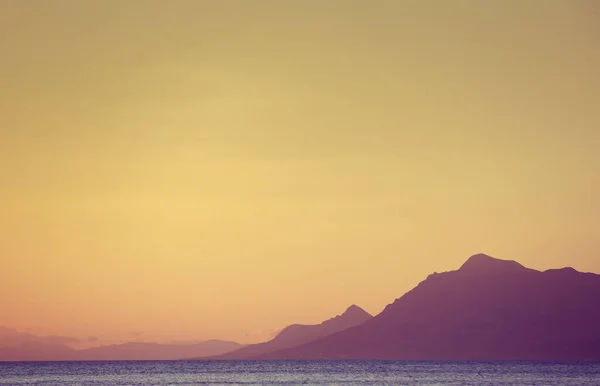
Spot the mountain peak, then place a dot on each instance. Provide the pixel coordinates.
(482, 263)
(354, 311)
(300, 334)
(489, 309)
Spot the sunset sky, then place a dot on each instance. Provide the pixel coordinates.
(175, 169)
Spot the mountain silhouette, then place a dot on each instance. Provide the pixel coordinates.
(35, 351)
(298, 334)
(21, 346)
(489, 309)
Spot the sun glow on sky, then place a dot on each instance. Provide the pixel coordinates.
(209, 169)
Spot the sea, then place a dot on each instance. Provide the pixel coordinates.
(299, 373)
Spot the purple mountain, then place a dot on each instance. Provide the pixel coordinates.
(21, 346)
(489, 309)
(298, 334)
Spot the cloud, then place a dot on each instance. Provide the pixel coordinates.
(11, 336)
(185, 342)
(93, 339)
(262, 334)
(60, 339)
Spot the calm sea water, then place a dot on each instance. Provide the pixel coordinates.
(294, 373)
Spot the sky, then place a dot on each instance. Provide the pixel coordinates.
(221, 169)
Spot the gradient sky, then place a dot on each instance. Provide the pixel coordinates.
(213, 169)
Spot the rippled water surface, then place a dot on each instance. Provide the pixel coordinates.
(310, 372)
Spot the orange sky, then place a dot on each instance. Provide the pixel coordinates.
(208, 169)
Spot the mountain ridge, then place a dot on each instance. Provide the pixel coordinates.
(297, 334)
(488, 309)
(17, 346)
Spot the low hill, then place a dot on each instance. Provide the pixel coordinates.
(298, 334)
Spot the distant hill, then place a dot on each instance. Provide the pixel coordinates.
(156, 351)
(298, 334)
(21, 346)
(489, 309)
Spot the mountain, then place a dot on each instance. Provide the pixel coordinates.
(298, 334)
(157, 351)
(36, 351)
(488, 309)
(22, 346)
